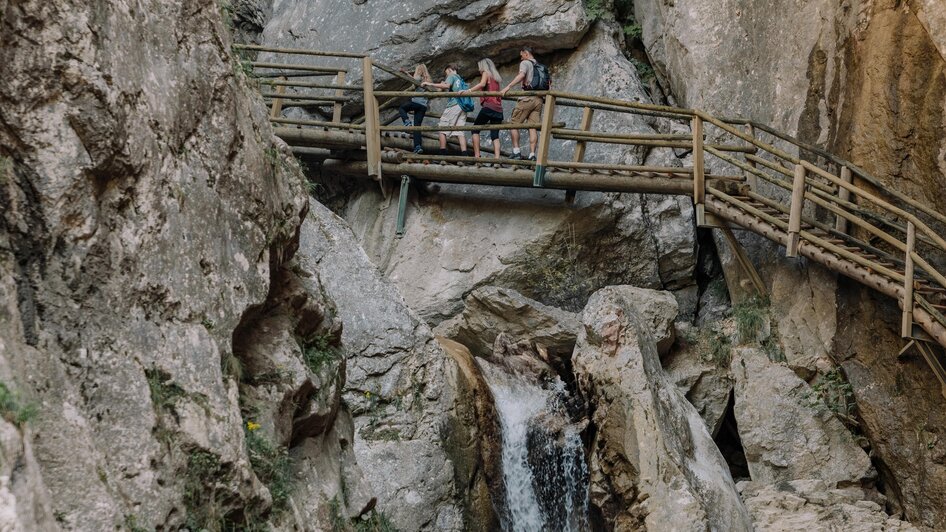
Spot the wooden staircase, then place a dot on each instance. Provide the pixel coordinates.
(812, 202)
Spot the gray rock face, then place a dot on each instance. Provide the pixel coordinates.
(396, 388)
(404, 33)
(653, 464)
(705, 384)
(785, 432)
(145, 207)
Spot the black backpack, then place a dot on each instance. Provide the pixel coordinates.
(540, 77)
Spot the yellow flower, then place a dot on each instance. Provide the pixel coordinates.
(250, 426)
(368, 394)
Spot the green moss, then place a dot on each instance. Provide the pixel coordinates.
(14, 409)
(131, 524)
(200, 496)
(833, 392)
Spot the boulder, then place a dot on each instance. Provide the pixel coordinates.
(704, 383)
(490, 311)
(815, 506)
(653, 463)
(786, 430)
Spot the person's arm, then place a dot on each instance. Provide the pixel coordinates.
(435, 85)
(479, 85)
(518, 79)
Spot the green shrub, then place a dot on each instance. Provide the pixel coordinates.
(200, 496)
(633, 31)
(319, 352)
(596, 10)
(644, 70)
(163, 392)
(751, 316)
(272, 466)
(13, 409)
(835, 393)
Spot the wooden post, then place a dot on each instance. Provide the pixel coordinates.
(337, 110)
(844, 195)
(587, 115)
(699, 177)
(372, 122)
(794, 216)
(751, 179)
(545, 135)
(906, 329)
(277, 102)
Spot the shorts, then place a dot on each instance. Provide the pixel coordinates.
(527, 110)
(452, 116)
(488, 116)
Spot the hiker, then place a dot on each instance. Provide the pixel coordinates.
(417, 105)
(491, 107)
(533, 76)
(453, 115)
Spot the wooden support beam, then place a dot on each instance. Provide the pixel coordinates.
(907, 324)
(794, 217)
(751, 177)
(743, 258)
(372, 123)
(587, 115)
(699, 174)
(402, 205)
(935, 363)
(276, 111)
(545, 135)
(844, 194)
(339, 93)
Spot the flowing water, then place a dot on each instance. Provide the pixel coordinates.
(543, 458)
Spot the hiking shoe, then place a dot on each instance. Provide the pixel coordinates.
(418, 149)
(516, 156)
(532, 157)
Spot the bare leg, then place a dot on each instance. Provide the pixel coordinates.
(443, 141)
(533, 140)
(496, 148)
(476, 145)
(463, 143)
(515, 138)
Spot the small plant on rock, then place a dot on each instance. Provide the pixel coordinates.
(319, 352)
(163, 391)
(13, 409)
(835, 393)
(751, 316)
(272, 465)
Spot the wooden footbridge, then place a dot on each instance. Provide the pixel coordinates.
(811, 202)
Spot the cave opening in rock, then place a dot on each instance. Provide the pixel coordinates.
(730, 444)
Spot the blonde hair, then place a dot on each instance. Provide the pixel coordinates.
(487, 65)
(422, 73)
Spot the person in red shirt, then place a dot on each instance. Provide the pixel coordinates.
(491, 107)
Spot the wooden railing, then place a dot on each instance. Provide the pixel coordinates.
(773, 192)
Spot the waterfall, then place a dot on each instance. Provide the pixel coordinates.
(543, 458)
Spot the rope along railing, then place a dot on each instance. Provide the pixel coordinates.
(876, 234)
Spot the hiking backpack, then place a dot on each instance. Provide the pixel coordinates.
(540, 77)
(466, 103)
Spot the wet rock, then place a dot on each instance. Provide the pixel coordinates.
(677, 480)
(804, 439)
(476, 435)
(816, 506)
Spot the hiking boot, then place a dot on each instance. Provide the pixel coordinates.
(418, 150)
(516, 156)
